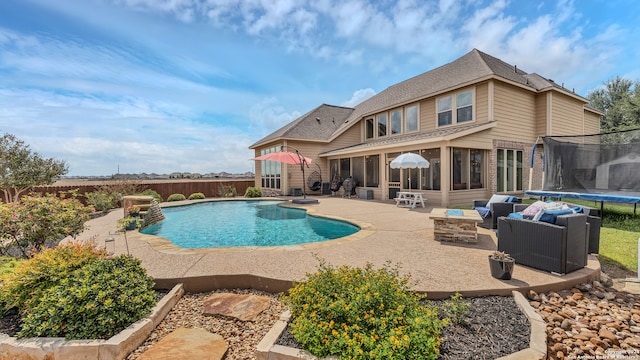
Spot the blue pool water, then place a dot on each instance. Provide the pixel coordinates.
(244, 223)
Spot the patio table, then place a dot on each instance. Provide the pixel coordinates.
(453, 225)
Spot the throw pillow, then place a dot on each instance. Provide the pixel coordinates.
(534, 208)
(497, 198)
(549, 216)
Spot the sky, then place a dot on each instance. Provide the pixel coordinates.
(160, 86)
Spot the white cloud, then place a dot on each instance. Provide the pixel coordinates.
(358, 97)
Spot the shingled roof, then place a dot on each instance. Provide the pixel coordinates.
(318, 124)
(472, 67)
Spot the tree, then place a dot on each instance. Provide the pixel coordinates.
(619, 100)
(21, 169)
(30, 225)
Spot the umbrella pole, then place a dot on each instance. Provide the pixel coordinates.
(304, 191)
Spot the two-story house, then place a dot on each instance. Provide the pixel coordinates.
(475, 120)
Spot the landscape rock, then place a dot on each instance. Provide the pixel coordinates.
(187, 344)
(588, 320)
(244, 307)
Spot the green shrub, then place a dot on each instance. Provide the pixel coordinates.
(253, 192)
(102, 201)
(196, 196)
(8, 266)
(176, 197)
(96, 302)
(153, 193)
(362, 313)
(457, 309)
(24, 288)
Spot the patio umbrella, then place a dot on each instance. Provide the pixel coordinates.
(409, 161)
(288, 157)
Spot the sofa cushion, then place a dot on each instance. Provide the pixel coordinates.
(515, 216)
(483, 211)
(549, 216)
(497, 198)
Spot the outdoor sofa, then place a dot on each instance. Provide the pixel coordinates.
(560, 247)
(594, 218)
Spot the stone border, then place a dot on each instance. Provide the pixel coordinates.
(267, 348)
(117, 347)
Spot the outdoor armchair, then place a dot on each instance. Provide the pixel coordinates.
(560, 248)
(495, 210)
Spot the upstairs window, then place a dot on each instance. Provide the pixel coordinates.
(444, 111)
(464, 108)
(396, 121)
(368, 124)
(462, 103)
(382, 124)
(411, 118)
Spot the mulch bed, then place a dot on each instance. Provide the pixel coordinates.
(495, 327)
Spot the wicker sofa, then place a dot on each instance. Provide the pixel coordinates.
(594, 218)
(559, 248)
(496, 210)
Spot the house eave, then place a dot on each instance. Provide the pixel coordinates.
(444, 138)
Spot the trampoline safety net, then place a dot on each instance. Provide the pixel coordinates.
(602, 163)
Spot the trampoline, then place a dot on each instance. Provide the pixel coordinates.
(617, 197)
(600, 167)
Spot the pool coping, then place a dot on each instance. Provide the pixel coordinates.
(164, 245)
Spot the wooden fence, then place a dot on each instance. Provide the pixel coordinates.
(210, 188)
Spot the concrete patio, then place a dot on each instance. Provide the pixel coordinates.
(389, 234)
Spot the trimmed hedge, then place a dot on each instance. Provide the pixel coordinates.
(176, 197)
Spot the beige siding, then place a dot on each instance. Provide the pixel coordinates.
(466, 197)
(541, 114)
(591, 123)
(515, 112)
(350, 137)
(482, 103)
(566, 115)
(428, 114)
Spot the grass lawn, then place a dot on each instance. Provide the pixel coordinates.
(619, 247)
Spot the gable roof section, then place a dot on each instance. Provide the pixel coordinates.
(448, 133)
(473, 67)
(470, 68)
(318, 124)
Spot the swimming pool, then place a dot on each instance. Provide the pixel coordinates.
(244, 223)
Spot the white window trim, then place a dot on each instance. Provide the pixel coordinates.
(454, 107)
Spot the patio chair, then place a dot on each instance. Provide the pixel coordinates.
(492, 209)
(559, 248)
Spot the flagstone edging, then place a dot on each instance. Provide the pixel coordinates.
(116, 347)
(268, 349)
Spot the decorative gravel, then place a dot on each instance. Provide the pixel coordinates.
(242, 337)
